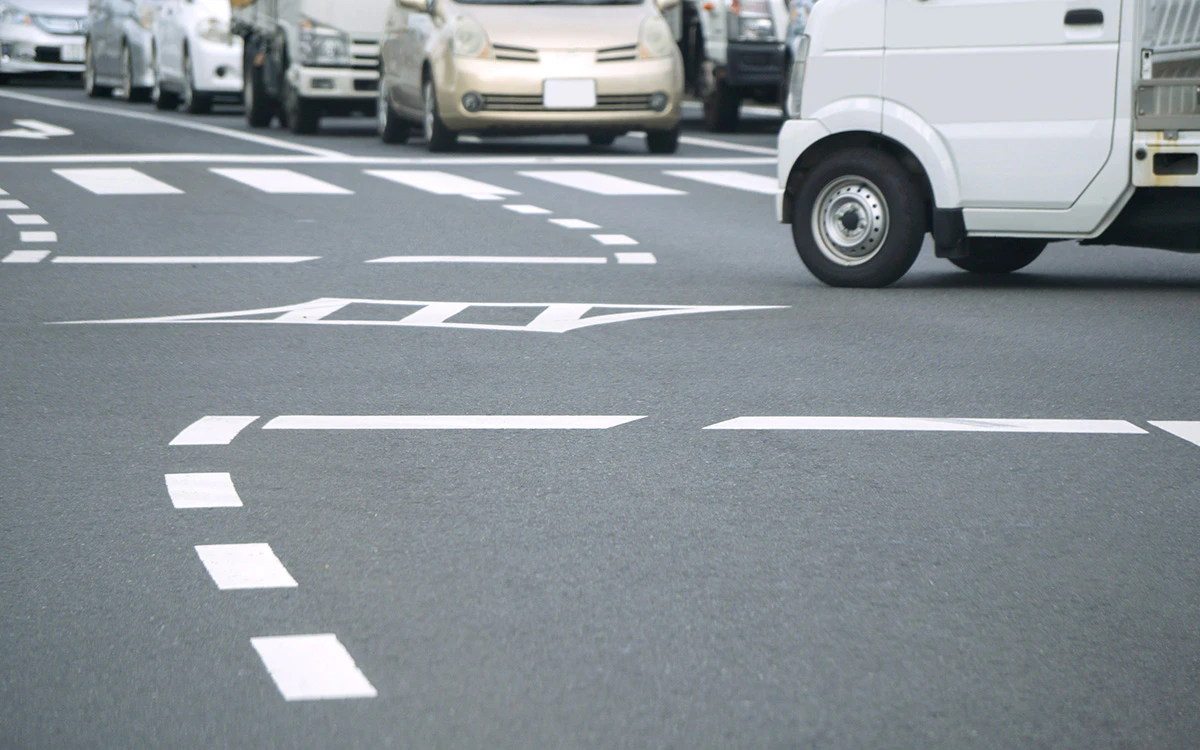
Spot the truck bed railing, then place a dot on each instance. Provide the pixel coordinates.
(1168, 94)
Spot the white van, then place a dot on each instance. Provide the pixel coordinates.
(996, 125)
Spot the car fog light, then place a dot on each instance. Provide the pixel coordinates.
(472, 102)
(323, 83)
(659, 101)
(222, 71)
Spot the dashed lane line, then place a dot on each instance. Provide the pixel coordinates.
(1189, 431)
(213, 430)
(245, 566)
(312, 667)
(905, 424)
(202, 490)
(449, 422)
(123, 181)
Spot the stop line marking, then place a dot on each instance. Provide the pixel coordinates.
(244, 566)
(906, 424)
(312, 667)
(205, 490)
(449, 422)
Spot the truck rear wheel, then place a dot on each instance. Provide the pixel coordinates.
(260, 110)
(859, 219)
(997, 255)
(303, 115)
(721, 108)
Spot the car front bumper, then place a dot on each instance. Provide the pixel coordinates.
(217, 67)
(25, 48)
(335, 83)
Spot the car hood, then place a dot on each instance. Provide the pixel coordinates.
(559, 26)
(71, 8)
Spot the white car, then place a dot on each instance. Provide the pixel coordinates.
(196, 58)
(41, 36)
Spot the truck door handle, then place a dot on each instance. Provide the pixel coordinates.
(1084, 17)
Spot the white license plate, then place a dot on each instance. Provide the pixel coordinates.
(569, 93)
(72, 53)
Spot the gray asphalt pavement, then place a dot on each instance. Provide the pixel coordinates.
(654, 583)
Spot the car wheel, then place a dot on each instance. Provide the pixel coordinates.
(997, 255)
(129, 92)
(162, 98)
(194, 102)
(391, 128)
(602, 139)
(260, 110)
(303, 116)
(437, 136)
(90, 87)
(663, 141)
(859, 219)
(721, 108)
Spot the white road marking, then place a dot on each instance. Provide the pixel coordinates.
(39, 237)
(440, 183)
(574, 224)
(636, 258)
(904, 424)
(282, 182)
(27, 220)
(447, 422)
(599, 183)
(3, 191)
(244, 566)
(393, 161)
(718, 144)
(25, 256)
(483, 196)
(12, 206)
(532, 259)
(174, 260)
(1189, 431)
(526, 209)
(748, 181)
(122, 181)
(312, 667)
(35, 130)
(213, 431)
(614, 239)
(209, 490)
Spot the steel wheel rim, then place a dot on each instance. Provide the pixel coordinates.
(850, 220)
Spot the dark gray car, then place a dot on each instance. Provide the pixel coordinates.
(118, 56)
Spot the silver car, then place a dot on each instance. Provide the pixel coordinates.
(41, 36)
(118, 57)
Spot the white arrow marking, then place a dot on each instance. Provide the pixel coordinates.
(35, 130)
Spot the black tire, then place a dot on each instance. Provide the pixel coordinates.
(999, 255)
(722, 106)
(859, 219)
(162, 98)
(663, 141)
(129, 92)
(437, 136)
(602, 139)
(4, 79)
(303, 115)
(260, 110)
(90, 87)
(194, 102)
(391, 128)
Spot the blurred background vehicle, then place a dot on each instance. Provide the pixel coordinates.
(308, 58)
(118, 48)
(800, 10)
(595, 67)
(196, 57)
(41, 36)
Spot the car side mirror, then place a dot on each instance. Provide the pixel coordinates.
(665, 5)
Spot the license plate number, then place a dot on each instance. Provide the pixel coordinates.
(72, 53)
(569, 93)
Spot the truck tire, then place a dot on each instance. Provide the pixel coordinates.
(859, 219)
(303, 115)
(721, 108)
(998, 255)
(260, 110)
(437, 136)
(391, 128)
(663, 141)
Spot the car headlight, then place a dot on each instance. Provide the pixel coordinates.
(655, 38)
(10, 13)
(796, 89)
(145, 16)
(214, 30)
(751, 21)
(468, 39)
(323, 46)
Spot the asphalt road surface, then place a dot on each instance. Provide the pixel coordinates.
(286, 464)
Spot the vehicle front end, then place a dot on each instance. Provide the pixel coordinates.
(335, 66)
(42, 37)
(754, 55)
(216, 55)
(138, 33)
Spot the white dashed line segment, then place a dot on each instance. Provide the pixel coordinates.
(614, 239)
(600, 183)
(213, 430)
(244, 566)
(26, 256)
(312, 667)
(35, 237)
(122, 181)
(526, 209)
(12, 206)
(27, 220)
(904, 424)
(643, 259)
(1189, 431)
(574, 224)
(532, 259)
(282, 182)
(440, 183)
(448, 422)
(206, 490)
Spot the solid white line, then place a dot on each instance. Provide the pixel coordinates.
(440, 161)
(27, 220)
(535, 259)
(1189, 431)
(526, 209)
(614, 239)
(179, 259)
(179, 122)
(39, 237)
(754, 183)
(439, 183)
(574, 224)
(636, 258)
(904, 424)
(12, 206)
(282, 182)
(599, 183)
(447, 422)
(209, 490)
(122, 181)
(244, 566)
(312, 667)
(213, 431)
(25, 256)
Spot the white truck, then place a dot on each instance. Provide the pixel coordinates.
(309, 58)
(996, 125)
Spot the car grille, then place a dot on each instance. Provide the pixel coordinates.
(514, 54)
(533, 103)
(48, 55)
(364, 54)
(617, 54)
(365, 84)
(61, 24)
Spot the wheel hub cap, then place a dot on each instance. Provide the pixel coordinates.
(850, 220)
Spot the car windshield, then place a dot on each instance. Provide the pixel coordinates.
(549, 2)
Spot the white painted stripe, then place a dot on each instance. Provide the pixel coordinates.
(397, 161)
(210, 490)
(39, 236)
(213, 431)
(244, 566)
(3, 192)
(174, 260)
(312, 667)
(282, 182)
(447, 422)
(525, 209)
(600, 184)
(483, 196)
(636, 258)
(1189, 431)
(904, 424)
(25, 256)
(533, 259)
(440, 183)
(27, 220)
(614, 239)
(753, 183)
(12, 206)
(123, 181)
(574, 224)
(718, 144)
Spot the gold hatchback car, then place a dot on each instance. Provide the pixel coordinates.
(597, 67)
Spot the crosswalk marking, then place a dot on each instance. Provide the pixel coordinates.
(12, 206)
(1189, 431)
(244, 566)
(637, 259)
(282, 182)
(32, 237)
(27, 220)
(903, 424)
(206, 490)
(26, 256)
(614, 239)
(600, 183)
(121, 181)
(440, 183)
(754, 183)
(574, 224)
(525, 209)
(312, 667)
(213, 430)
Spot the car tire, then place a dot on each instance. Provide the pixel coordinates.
(129, 92)
(602, 139)
(999, 255)
(722, 107)
(163, 99)
(4, 79)
(437, 136)
(193, 102)
(90, 87)
(260, 110)
(663, 141)
(391, 128)
(859, 219)
(303, 115)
